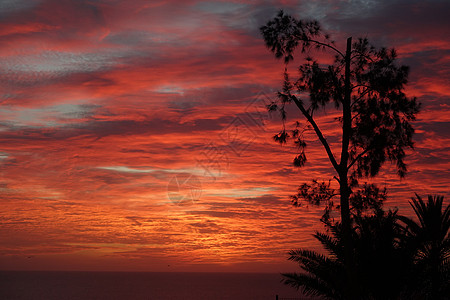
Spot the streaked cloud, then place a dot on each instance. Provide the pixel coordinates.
(104, 103)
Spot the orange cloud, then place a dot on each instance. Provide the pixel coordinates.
(103, 106)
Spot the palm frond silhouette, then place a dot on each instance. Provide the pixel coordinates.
(429, 236)
(381, 263)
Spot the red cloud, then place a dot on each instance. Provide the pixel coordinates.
(103, 104)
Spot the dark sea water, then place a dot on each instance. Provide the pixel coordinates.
(141, 285)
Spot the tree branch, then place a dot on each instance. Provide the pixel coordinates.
(359, 53)
(366, 91)
(355, 116)
(318, 132)
(337, 179)
(326, 45)
(357, 157)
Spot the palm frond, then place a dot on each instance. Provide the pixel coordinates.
(332, 245)
(310, 285)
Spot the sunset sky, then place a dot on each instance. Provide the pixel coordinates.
(134, 134)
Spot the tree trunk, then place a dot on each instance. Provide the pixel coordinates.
(344, 188)
(343, 169)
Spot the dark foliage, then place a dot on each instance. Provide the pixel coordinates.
(372, 254)
(364, 201)
(431, 240)
(393, 257)
(364, 84)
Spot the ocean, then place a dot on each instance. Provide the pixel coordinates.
(39, 285)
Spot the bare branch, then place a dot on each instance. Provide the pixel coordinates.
(326, 45)
(368, 89)
(318, 132)
(357, 158)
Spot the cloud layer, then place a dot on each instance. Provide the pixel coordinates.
(112, 112)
